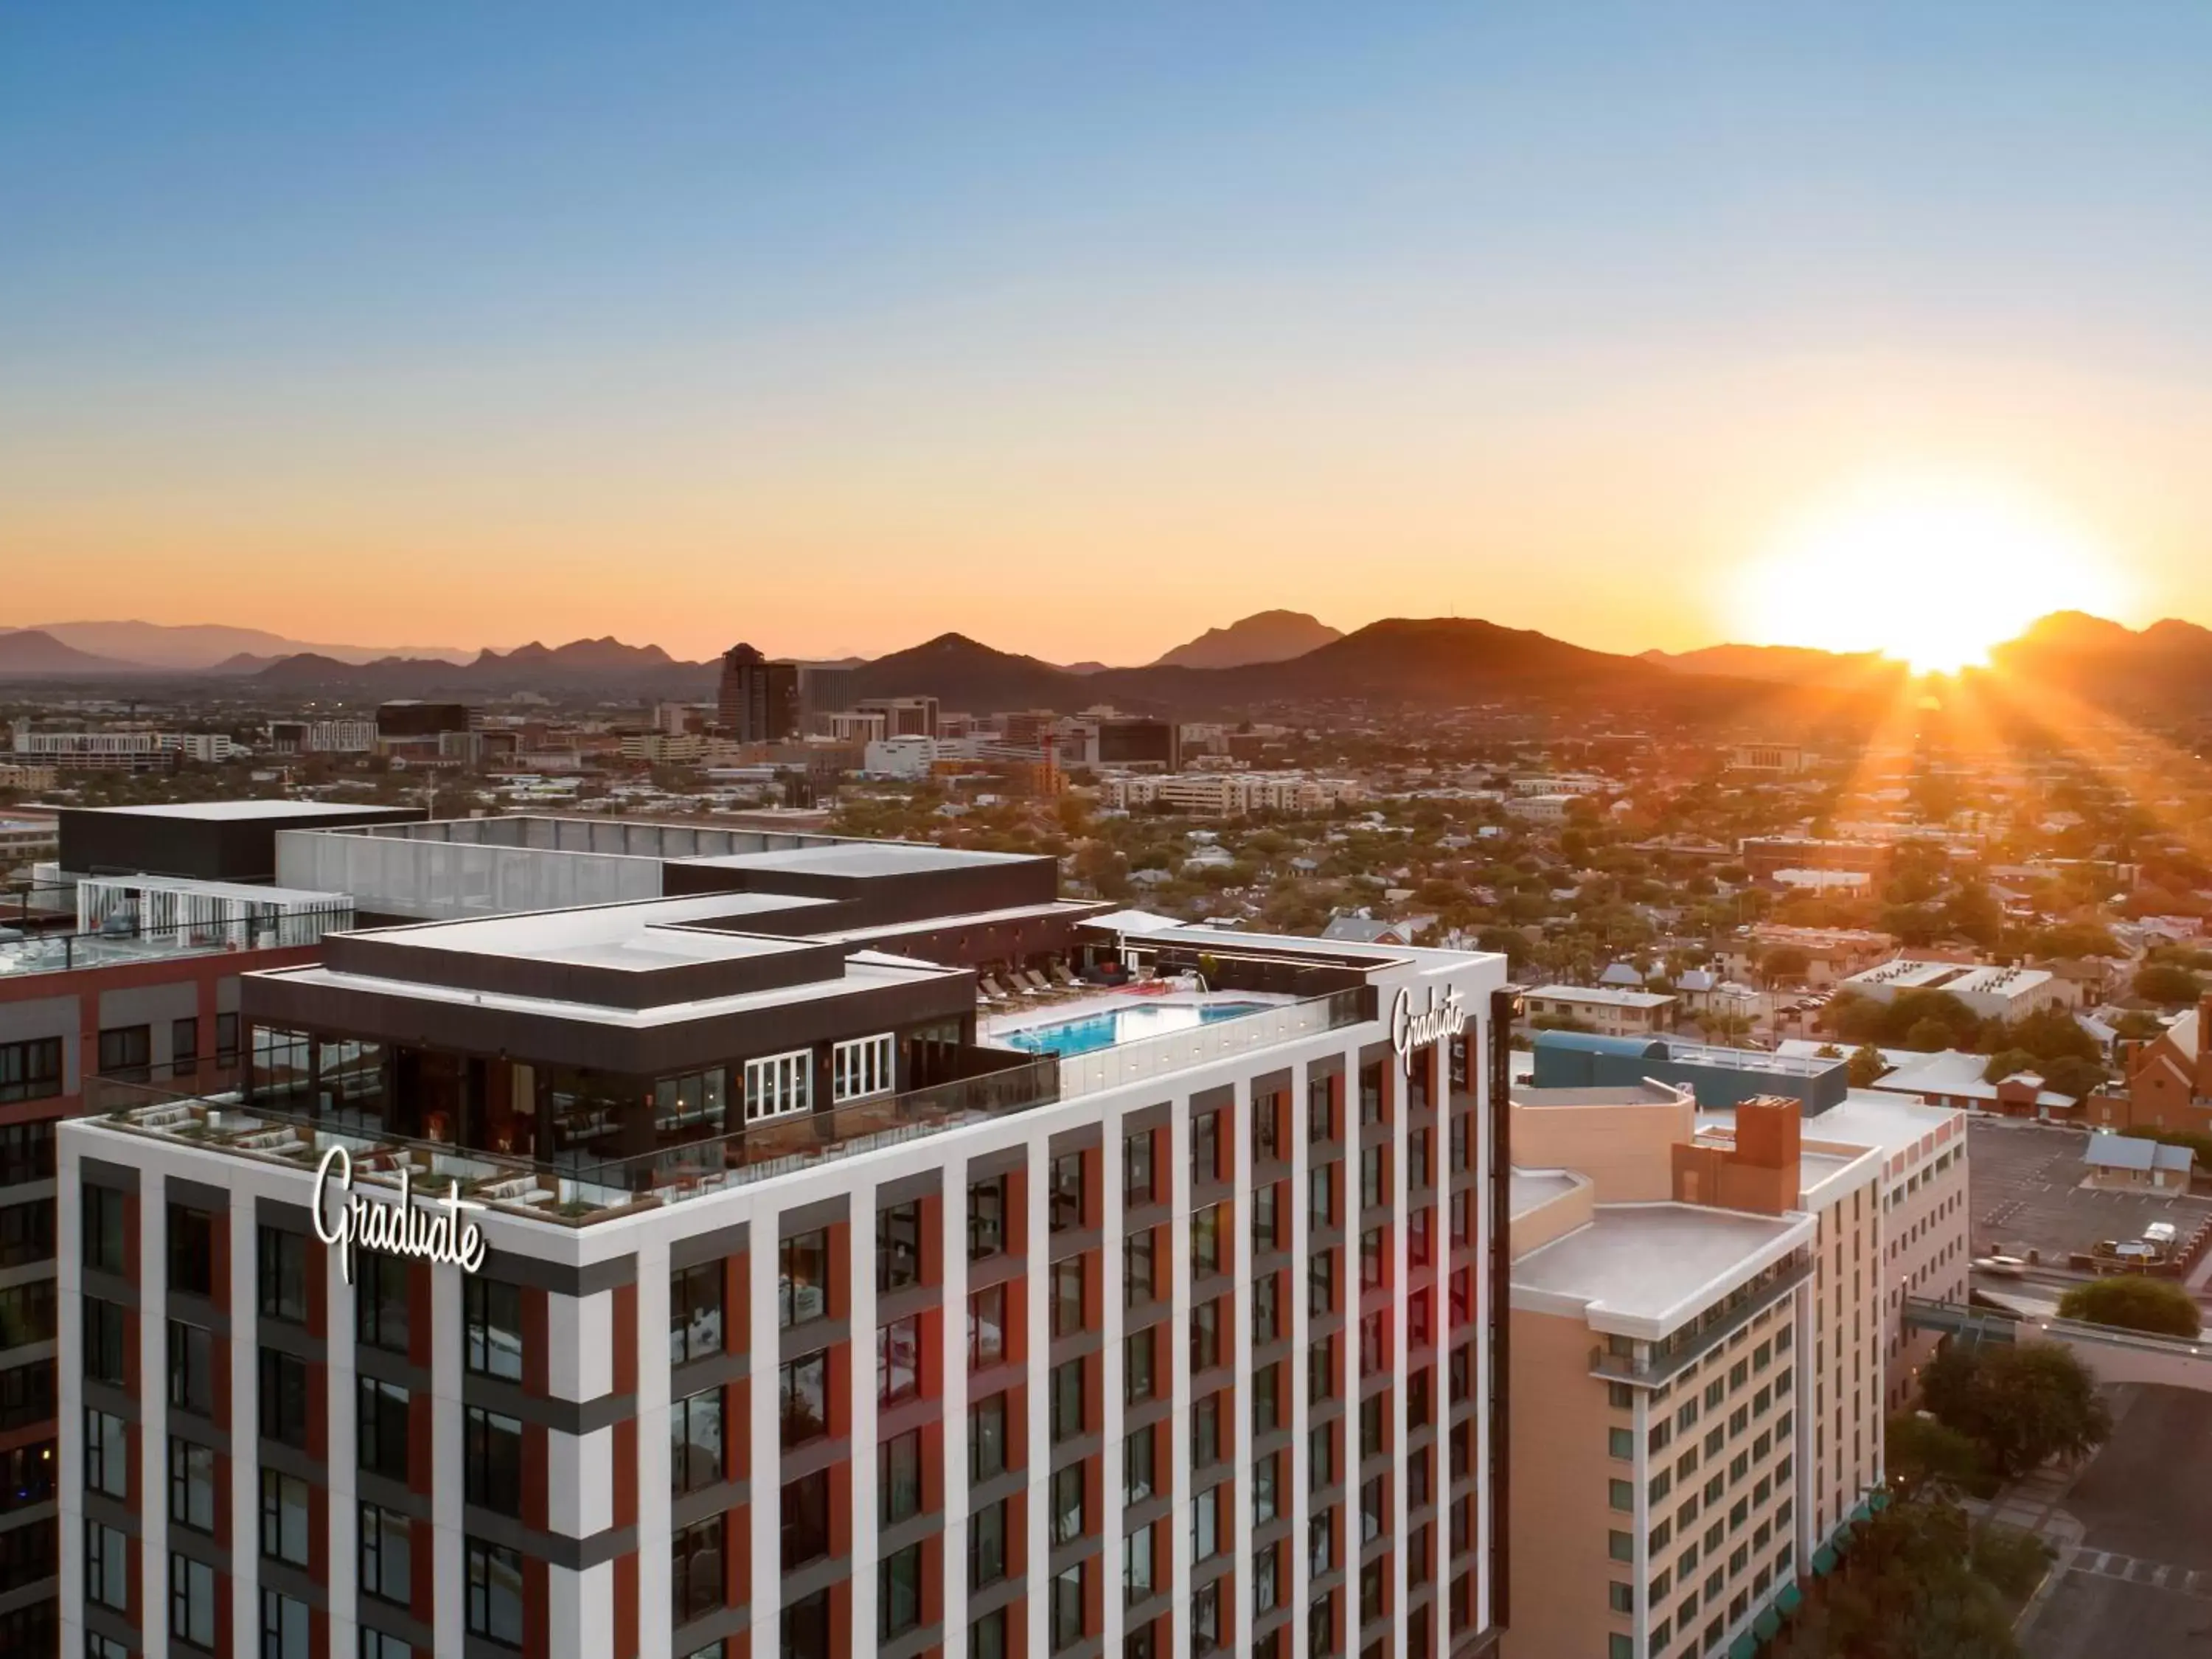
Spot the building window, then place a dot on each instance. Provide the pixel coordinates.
(898, 1247)
(695, 1563)
(31, 1070)
(1137, 1475)
(807, 1519)
(1066, 1500)
(987, 1637)
(191, 1602)
(492, 1454)
(1206, 1321)
(380, 1428)
(694, 1313)
(126, 1052)
(898, 1592)
(285, 1627)
(375, 1644)
(986, 1545)
(1205, 1527)
(106, 1567)
(284, 1398)
(1206, 1438)
(494, 1609)
(1066, 1400)
(802, 1279)
(102, 1225)
(898, 1478)
(689, 1107)
(191, 1250)
(804, 1395)
(27, 1233)
(1137, 1565)
(192, 1375)
(284, 1501)
(183, 1045)
(694, 1441)
(1205, 1242)
(1320, 1282)
(1067, 1607)
(1137, 1188)
(986, 1217)
(1137, 1377)
(281, 1271)
(492, 1328)
(861, 1067)
(1138, 1285)
(1064, 1201)
(986, 1440)
(987, 1327)
(386, 1564)
(898, 1361)
(380, 1302)
(106, 1455)
(226, 1040)
(1206, 1148)
(780, 1086)
(1068, 1296)
(191, 1485)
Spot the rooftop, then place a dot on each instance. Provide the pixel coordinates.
(219, 812)
(1644, 1270)
(1607, 995)
(1531, 1190)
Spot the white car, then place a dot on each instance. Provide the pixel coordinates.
(2002, 1266)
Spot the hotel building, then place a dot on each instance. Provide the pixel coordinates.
(765, 1296)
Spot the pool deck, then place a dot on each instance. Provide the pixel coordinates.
(1001, 1023)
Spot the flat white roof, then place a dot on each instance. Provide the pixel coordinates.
(223, 811)
(1611, 996)
(1644, 1270)
(1531, 1190)
(639, 937)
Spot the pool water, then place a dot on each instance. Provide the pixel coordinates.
(1119, 1025)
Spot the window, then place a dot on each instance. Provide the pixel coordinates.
(1064, 1201)
(1320, 1282)
(285, 1627)
(802, 1279)
(381, 1427)
(105, 1355)
(987, 1327)
(1066, 1400)
(102, 1224)
(695, 1569)
(183, 1045)
(1137, 1482)
(986, 1439)
(1205, 1526)
(191, 1485)
(986, 1217)
(1066, 1501)
(1206, 1240)
(27, 1233)
(694, 1313)
(386, 1558)
(191, 1602)
(1206, 1432)
(1267, 1309)
(805, 1399)
(986, 1545)
(284, 1398)
(1137, 1564)
(779, 1085)
(987, 1637)
(694, 1441)
(1137, 1185)
(898, 1361)
(284, 1500)
(1138, 1284)
(106, 1567)
(898, 1477)
(127, 1052)
(375, 1644)
(491, 1456)
(380, 1302)
(1067, 1607)
(494, 1606)
(807, 1519)
(1266, 1398)
(1621, 1546)
(1205, 1323)
(898, 1247)
(280, 1260)
(191, 1249)
(1137, 1379)
(1206, 1149)
(861, 1067)
(31, 1070)
(492, 1328)
(226, 1039)
(1321, 1368)
(1068, 1296)
(1265, 1492)
(1621, 1495)
(898, 1592)
(191, 1361)
(806, 1627)
(106, 1455)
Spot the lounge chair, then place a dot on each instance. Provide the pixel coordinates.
(1035, 981)
(1066, 980)
(992, 991)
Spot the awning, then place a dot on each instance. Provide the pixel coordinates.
(1765, 1625)
(1880, 1501)
(1791, 1600)
(1823, 1561)
(1745, 1646)
(1864, 1509)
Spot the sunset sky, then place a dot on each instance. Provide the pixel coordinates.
(1082, 328)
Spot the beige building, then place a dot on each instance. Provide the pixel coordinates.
(1696, 1366)
(1606, 1009)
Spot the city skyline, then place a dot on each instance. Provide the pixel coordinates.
(840, 334)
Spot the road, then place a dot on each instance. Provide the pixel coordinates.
(2141, 1585)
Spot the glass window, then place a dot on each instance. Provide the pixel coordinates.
(191, 1485)
(106, 1455)
(1137, 1188)
(285, 1627)
(1206, 1148)
(191, 1249)
(191, 1360)
(898, 1247)
(780, 1086)
(492, 1328)
(986, 1545)
(1064, 1201)
(1205, 1323)
(802, 1284)
(382, 1425)
(806, 1398)
(1067, 1607)
(898, 1592)
(695, 1312)
(380, 1300)
(862, 1067)
(386, 1559)
(1068, 1296)
(102, 1223)
(1137, 1476)
(1138, 1284)
(127, 1052)
(986, 1217)
(695, 1568)
(1066, 1501)
(284, 1398)
(1137, 1378)
(491, 1453)
(375, 1644)
(183, 1045)
(281, 1271)
(898, 1477)
(1206, 1240)
(805, 1519)
(987, 1637)
(1066, 1400)
(191, 1602)
(495, 1582)
(898, 1361)
(284, 1500)
(987, 1327)
(31, 1070)
(694, 1441)
(986, 1439)
(106, 1567)
(1137, 1564)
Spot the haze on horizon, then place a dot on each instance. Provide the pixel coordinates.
(1081, 332)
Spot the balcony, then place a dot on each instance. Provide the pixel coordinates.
(1659, 1362)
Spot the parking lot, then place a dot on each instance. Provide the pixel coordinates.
(2027, 1194)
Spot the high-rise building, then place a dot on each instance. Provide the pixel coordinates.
(758, 701)
(903, 717)
(713, 1275)
(824, 690)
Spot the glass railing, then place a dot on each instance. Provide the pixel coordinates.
(60, 953)
(1658, 1361)
(1203, 1045)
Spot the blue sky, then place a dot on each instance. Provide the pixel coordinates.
(1080, 328)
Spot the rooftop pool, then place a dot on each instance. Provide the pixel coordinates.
(1119, 1025)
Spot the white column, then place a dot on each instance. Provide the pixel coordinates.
(1036, 1606)
(342, 1413)
(861, 1409)
(1401, 1184)
(1177, 1363)
(765, 1437)
(449, 1521)
(245, 1421)
(1478, 1312)
(655, 1591)
(952, 1387)
(1113, 1321)
(1297, 1501)
(69, 1332)
(154, 1412)
(1240, 1250)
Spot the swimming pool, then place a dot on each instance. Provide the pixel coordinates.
(1119, 1025)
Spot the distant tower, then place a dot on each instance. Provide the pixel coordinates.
(759, 700)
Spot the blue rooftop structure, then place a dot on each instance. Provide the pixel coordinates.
(1719, 1078)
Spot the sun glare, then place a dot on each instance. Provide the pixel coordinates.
(1933, 575)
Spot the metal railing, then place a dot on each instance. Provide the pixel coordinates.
(1661, 1360)
(1204, 1045)
(60, 953)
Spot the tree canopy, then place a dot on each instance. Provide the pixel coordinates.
(2022, 1403)
(2135, 1303)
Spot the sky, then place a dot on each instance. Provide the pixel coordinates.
(1081, 328)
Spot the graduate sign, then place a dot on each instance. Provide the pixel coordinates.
(1412, 1028)
(433, 1231)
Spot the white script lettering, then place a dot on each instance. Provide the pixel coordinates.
(1412, 1029)
(398, 1228)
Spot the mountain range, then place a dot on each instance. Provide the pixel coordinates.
(196, 645)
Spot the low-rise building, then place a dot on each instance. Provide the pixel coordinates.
(1228, 794)
(1604, 1009)
(1992, 992)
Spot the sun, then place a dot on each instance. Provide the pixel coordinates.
(1932, 573)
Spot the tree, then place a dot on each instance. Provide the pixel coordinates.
(1868, 1067)
(2023, 1403)
(1926, 1456)
(1927, 1036)
(1785, 963)
(2133, 1304)
(1911, 1588)
(2006, 1063)
(1730, 1029)
(2072, 1076)
(2164, 983)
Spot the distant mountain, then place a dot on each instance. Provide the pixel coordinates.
(33, 651)
(963, 674)
(602, 664)
(1784, 664)
(1267, 636)
(2164, 670)
(196, 645)
(1084, 667)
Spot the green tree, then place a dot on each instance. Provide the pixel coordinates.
(1909, 1589)
(1926, 1456)
(2006, 1063)
(2072, 1076)
(1868, 1067)
(1927, 1036)
(1784, 964)
(2023, 1403)
(2164, 983)
(2158, 1305)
